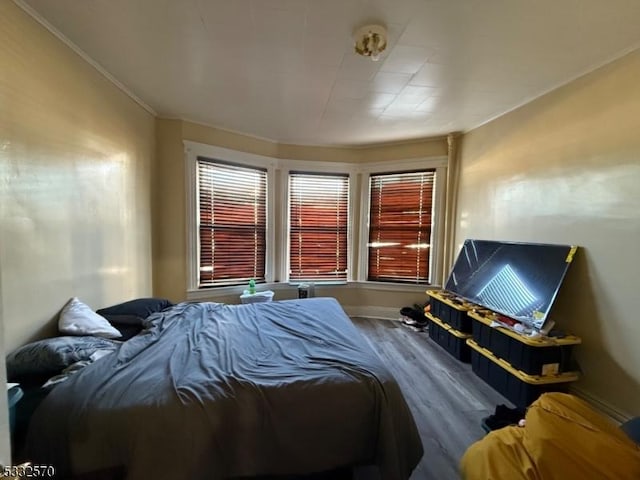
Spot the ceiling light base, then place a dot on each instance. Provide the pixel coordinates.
(370, 41)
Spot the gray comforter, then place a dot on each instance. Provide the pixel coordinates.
(217, 391)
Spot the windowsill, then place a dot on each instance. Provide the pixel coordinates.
(208, 294)
(204, 294)
(394, 287)
(318, 284)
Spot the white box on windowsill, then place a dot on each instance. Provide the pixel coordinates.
(258, 297)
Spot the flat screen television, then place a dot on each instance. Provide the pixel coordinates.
(518, 280)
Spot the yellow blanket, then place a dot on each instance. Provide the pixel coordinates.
(564, 439)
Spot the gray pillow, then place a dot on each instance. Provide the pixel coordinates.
(51, 355)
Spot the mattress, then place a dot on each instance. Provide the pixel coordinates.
(222, 391)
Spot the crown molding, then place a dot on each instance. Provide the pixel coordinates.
(285, 144)
(38, 18)
(557, 86)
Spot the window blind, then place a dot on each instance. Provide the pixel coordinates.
(400, 218)
(232, 222)
(318, 224)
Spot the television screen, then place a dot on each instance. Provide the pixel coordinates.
(519, 280)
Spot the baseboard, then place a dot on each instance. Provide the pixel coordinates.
(602, 406)
(382, 313)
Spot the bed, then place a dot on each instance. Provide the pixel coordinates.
(230, 391)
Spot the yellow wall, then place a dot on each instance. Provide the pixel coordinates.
(75, 200)
(169, 219)
(566, 169)
(5, 447)
(169, 212)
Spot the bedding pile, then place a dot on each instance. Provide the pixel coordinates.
(86, 337)
(37, 362)
(563, 437)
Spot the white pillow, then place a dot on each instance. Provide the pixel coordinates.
(76, 318)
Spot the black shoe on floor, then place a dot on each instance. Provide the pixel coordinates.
(503, 417)
(412, 322)
(416, 327)
(414, 314)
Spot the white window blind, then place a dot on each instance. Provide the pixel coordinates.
(232, 222)
(318, 226)
(400, 220)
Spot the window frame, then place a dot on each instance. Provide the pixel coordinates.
(436, 257)
(212, 171)
(193, 150)
(320, 168)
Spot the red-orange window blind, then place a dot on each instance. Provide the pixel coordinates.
(318, 225)
(232, 213)
(400, 218)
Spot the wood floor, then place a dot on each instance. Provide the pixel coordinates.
(447, 399)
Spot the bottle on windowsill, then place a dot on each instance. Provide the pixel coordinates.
(252, 286)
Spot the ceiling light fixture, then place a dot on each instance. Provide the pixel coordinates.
(371, 40)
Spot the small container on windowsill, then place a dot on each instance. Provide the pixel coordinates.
(306, 290)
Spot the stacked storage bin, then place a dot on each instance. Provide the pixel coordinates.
(520, 367)
(518, 279)
(450, 325)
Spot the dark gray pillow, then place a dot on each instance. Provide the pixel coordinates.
(133, 320)
(51, 355)
(141, 307)
(127, 331)
(128, 325)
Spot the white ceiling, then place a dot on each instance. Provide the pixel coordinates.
(285, 70)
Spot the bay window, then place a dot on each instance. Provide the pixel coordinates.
(369, 225)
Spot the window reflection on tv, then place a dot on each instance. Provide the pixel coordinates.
(519, 280)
